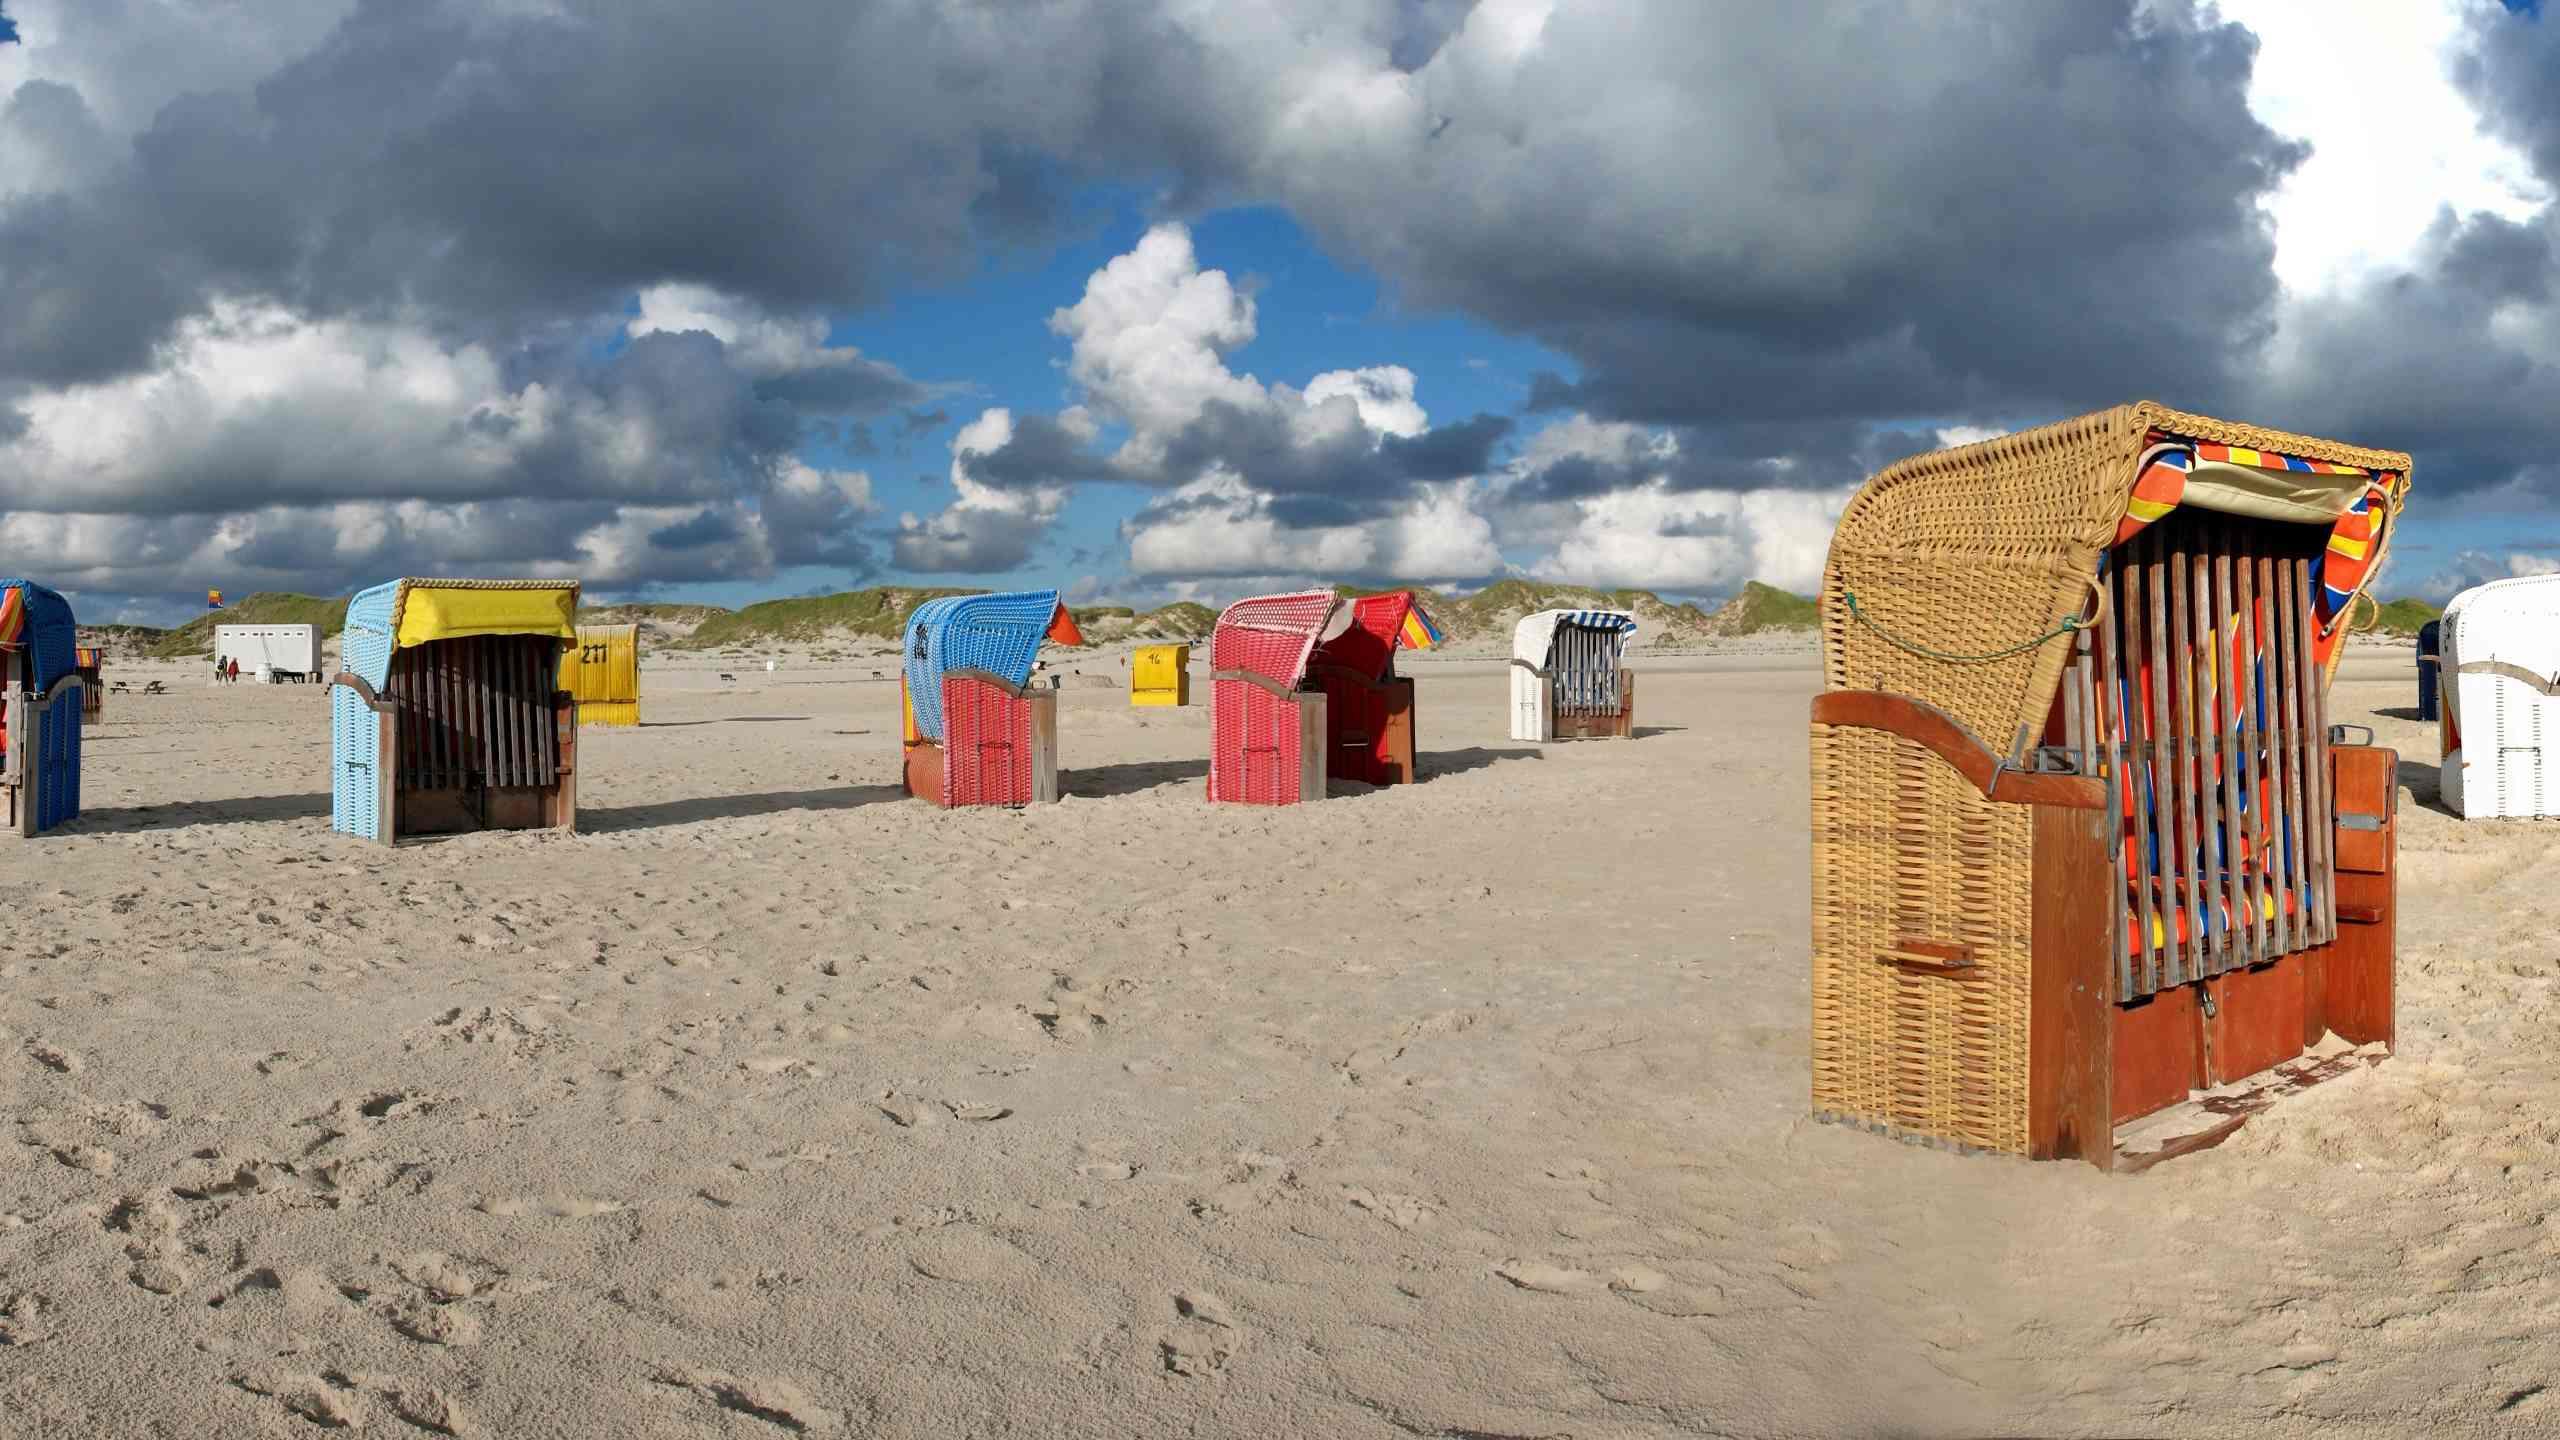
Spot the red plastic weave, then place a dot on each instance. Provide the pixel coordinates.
(986, 744)
(1254, 735)
(1271, 635)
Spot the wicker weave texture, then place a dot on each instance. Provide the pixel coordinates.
(1254, 739)
(1271, 635)
(986, 748)
(355, 728)
(999, 634)
(1976, 549)
(51, 638)
(1905, 848)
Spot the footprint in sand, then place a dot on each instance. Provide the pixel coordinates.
(1402, 1211)
(1542, 1277)
(22, 1319)
(1204, 1338)
(430, 1323)
(96, 1159)
(331, 1401)
(557, 1207)
(1107, 1170)
(775, 1401)
(979, 1113)
(54, 1058)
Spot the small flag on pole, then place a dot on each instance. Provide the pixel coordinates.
(213, 599)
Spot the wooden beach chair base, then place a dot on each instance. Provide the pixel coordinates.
(1568, 723)
(1368, 724)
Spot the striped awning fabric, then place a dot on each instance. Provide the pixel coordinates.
(2168, 468)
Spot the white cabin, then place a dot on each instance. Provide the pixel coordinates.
(275, 652)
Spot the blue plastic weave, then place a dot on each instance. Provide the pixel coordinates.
(999, 634)
(355, 730)
(50, 636)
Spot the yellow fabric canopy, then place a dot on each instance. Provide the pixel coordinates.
(458, 609)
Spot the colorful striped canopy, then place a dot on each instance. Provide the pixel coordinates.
(2169, 468)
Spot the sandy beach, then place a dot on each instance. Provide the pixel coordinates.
(775, 1104)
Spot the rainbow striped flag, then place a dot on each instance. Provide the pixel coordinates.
(13, 614)
(1419, 632)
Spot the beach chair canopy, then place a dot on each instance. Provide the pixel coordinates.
(403, 613)
(1984, 547)
(1380, 625)
(1272, 635)
(39, 622)
(1533, 639)
(999, 634)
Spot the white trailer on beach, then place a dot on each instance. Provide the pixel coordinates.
(287, 652)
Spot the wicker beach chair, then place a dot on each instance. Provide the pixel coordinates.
(2499, 726)
(1569, 679)
(1303, 687)
(449, 714)
(2083, 839)
(41, 716)
(1266, 732)
(977, 731)
(602, 671)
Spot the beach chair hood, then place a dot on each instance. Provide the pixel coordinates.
(999, 634)
(39, 621)
(401, 613)
(1272, 635)
(1380, 626)
(1982, 548)
(1534, 638)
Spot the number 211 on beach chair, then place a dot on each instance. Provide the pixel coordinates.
(2084, 839)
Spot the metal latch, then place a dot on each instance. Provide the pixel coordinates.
(2208, 1001)
(2054, 760)
(2338, 734)
(2359, 822)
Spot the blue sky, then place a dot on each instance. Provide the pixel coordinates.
(315, 292)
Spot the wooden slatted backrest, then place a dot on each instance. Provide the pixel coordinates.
(2201, 703)
(477, 713)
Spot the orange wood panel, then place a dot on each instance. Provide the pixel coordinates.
(2256, 1021)
(2072, 988)
(2356, 997)
(2159, 1053)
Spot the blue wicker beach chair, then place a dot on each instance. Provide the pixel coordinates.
(41, 720)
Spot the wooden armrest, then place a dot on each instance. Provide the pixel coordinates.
(1926, 724)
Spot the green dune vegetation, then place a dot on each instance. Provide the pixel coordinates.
(879, 614)
(2404, 615)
